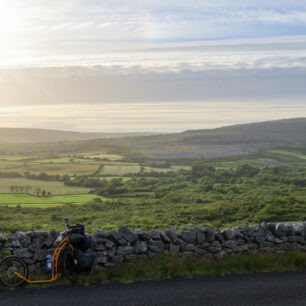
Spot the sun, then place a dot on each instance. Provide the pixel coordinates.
(8, 19)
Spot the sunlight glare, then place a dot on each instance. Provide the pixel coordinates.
(8, 19)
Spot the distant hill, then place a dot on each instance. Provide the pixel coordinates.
(226, 141)
(235, 140)
(24, 135)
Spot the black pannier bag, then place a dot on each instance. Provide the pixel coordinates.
(77, 229)
(76, 240)
(86, 244)
(84, 260)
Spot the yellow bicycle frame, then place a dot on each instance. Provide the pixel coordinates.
(55, 257)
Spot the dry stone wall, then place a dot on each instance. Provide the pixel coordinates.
(114, 247)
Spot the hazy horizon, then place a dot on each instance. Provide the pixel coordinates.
(150, 66)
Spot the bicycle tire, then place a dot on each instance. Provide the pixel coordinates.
(70, 268)
(8, 266)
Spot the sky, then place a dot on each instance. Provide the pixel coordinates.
(166, 66)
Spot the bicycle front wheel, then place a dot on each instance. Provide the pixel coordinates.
(8, 267)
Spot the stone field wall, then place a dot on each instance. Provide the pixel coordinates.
(114, 247)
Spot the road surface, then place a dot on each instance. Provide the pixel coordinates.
(254, 289)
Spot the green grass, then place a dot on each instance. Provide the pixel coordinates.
(165, 267)
(289, 153)
(26, 200)
(30, 186)
(119, 169)
(61, 160)
(112, 157)
(60, 168)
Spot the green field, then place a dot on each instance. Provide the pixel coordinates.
(124, 169)
(112, 157)
(141, 192)
(16, 185)
(26, 200)
(289, 153)
(61, 169)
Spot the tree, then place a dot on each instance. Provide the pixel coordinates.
(43, 193)
(199, 170)
(12, 188)
(37, 191)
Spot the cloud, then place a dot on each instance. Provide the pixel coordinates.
(103, 85)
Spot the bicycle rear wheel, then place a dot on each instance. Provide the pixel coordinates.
(70, 265)
(8, 266)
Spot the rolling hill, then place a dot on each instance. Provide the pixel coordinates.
(235, 140)
(25, 135)
(226, 141)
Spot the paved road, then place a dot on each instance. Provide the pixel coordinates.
(255, 289)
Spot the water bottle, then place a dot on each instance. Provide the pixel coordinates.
(49, 262)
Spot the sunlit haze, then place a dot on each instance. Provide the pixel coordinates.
(88, 65)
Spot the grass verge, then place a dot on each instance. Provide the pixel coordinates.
(165, 267)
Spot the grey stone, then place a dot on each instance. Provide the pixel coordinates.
(117, 237)
(142, 235)
(270, 237)
(221, 254)
(99, 247)
(140, 246)
(29, 261)
(156, 246)
(182, 244)
(54, 234)
(117, 259)
(280, 230)
(219, 236)
(110, 264)
(242, 248)
(125, 250)
(24, 253)
(200, 236)
(172, 234)
(204, 245)
(101, 234)
(188, 236)
(49, 241)
(231, 244)
(228, 234)
(237, 234)
(190, 247)
(200, 251)
(154, 235)
(127, 234)
(278, 241)
(15, 244)
(174, 248)
(101, 260)
(111, 252)
(259, 239)
(215, 247)
(12, 237)
(40, 254)
(210, 234)
(165, 238)
(37, 243)
(109, 243)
